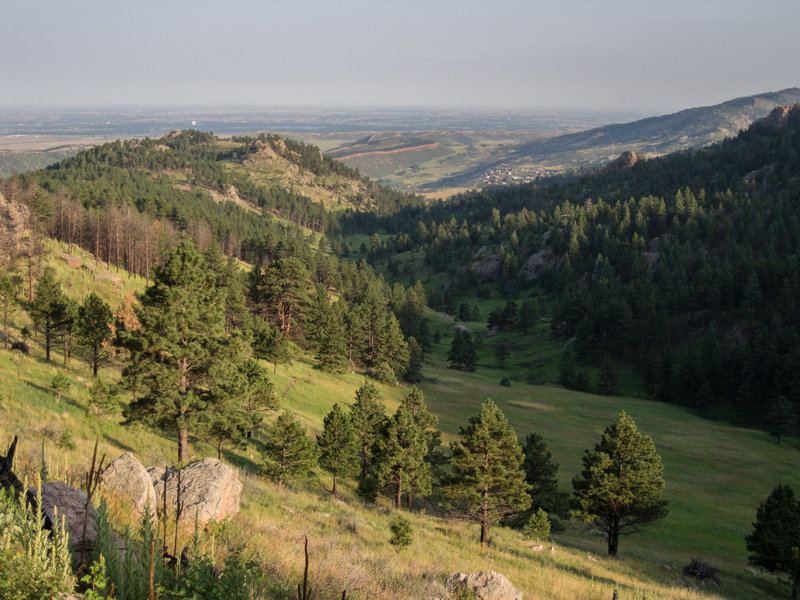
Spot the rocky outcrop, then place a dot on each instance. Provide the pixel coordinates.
(487, 585)
(126, 478)
(13, 217)
(623, 162)
(530, 270)
(210, 490)
(485, 264)
(779, 117)
(60, 500)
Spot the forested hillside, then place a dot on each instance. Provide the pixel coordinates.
(684, 266)
(259, 198)
(129, 203)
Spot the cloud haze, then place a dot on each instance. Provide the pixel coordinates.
(573, 53)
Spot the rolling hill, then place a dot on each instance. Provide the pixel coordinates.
(488, 159)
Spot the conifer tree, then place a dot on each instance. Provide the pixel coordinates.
(621, 483)
(773, 544)
(181, 361)
(367, 415)
(269, 344)
(414, 402)
(390, 346)
(68, 326)
(401, 450)
(338, 448)
(48, 308)
(540, 474)
(331, 343)
(288, 451)
(255, 393)
(93, 331)
(462, 355)
(488, 480)
(413, 372)
(8, 298)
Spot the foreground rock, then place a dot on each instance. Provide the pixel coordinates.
(487, 585)
(60, 500)
(210, 490)
(127, 479)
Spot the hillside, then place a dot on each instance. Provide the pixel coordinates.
(595, 305)
(654, 136)
(681, 267)
(349, 543)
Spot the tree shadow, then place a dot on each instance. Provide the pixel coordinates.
(118, 444)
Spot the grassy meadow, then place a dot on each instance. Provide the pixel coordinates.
(716, 475)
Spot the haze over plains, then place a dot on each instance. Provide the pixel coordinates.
(656, 55)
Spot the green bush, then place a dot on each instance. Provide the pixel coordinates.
(65, 442)
(34, 565)
(383, 372)
(538, 526)
(401, 532)
(103, 397)
(505, 382)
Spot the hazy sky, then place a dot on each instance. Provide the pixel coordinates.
(644, 54)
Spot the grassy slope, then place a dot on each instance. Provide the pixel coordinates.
(716, 475)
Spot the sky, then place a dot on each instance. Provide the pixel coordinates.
(620, 54)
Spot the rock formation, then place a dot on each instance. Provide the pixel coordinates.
(210, 490)
(126, 478)
(487, 585)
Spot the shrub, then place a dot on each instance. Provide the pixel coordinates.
(505, 382)
(702, 571)
(103, 397)
(65, 442)
(401, 532)
(538, 526)
(383, 372)
(34, 564)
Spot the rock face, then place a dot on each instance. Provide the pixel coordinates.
(485, 264)
(529, 270)
(58, 497)
(780, 115)
(13, 217)
(210, 489)
(623, 162)
(487, 585)
(127, 478)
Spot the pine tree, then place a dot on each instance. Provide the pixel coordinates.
(255, 393)
(781, 418)
(48, 308)
(367, 415)
(426, 421)
(8, 299)
(775, 539)
(288, 451)
(400, 464)
(390, 346)
(284, 291)
(462, 355)
(413, 372)
(488, 480)
(269, 344)
(68, 327)
(541, 475)
(331, 343)
(181, 360)
(621, 483)
(93, 331)
(338, 448)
